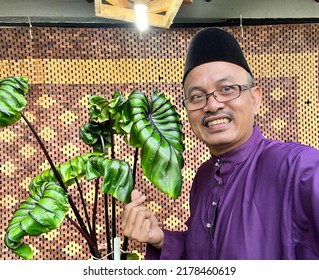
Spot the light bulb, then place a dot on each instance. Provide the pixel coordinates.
(141, 16)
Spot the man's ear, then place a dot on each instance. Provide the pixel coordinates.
(256, 94)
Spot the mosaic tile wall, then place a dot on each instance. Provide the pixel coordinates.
(67, 65)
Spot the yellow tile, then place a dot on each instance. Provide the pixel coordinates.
(7, 135)
(72, 248)
(25, 183)
(47, 134)
(70, 149)
(185, 205)
(264, 110)
(52, 235)
(71, 214)
(27, 151)
(8, 168)
(44, 166)
(188, 174)
(278, 94)
(31, 117)
(278, 124)
(8, 201)
(84, 101)
(67, 117)
(154, 207)
(189, 143)
(45, 101)
(172, 222)
(89, 195)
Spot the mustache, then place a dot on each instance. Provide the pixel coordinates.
(216, 114)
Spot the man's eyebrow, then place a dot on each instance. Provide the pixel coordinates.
(200, 88)
(192, 88)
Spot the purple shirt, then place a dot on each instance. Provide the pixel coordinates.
(258, 201)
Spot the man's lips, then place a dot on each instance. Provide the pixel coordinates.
(217, 120)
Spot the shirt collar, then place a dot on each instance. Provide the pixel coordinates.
(242, 152)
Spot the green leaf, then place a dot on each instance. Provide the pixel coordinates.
(156, 129)
(116, 107)
(75, 168)
(118, 178)
(133, 257)
(12, 100)
(99, 108)
(42, 212)
(96, 135)
(105, 118)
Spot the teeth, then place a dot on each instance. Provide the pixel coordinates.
(219, 121)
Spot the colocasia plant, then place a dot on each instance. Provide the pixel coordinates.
(151, 126)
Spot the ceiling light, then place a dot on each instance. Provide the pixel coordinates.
(141, 16)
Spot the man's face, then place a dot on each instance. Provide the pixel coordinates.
(222, 126)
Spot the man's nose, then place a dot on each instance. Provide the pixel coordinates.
(212, 105)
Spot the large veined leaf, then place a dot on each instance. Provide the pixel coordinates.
(12, 100)
(42, 212)
(117, 175)
(118, 178)
(75, 168)
(156, 129)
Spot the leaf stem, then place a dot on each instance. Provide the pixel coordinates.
(106, 211)
(125, 242)
(96, 194)
(113, 198)
(107, 224)
(94, 249)
(84, 205)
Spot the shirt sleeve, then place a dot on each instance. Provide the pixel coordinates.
(173, 247)
(305, 208)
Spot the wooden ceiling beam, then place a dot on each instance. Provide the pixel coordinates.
(161, 13)
(159, 6)
(120, 3)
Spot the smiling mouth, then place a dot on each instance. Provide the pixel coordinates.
(218, 121)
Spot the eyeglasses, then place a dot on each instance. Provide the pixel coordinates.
(221, 95)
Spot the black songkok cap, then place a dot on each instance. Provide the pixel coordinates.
(213, 44)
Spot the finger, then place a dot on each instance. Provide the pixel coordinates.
(132, 211)
(140, 217)
(142, 224)
(137, 197)
(135, 194)
(142, 230)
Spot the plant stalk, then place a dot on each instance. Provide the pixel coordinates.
(93, 248)
(84, 205)
(125, 242)
(106, 212)
(114, 230)
(96, 194)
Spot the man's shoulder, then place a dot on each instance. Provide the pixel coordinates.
(291, 149)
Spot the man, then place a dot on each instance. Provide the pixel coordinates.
(255, 198)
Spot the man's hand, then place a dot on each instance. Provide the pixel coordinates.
(139, 222)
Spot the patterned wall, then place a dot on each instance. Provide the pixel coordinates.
(67, 65)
